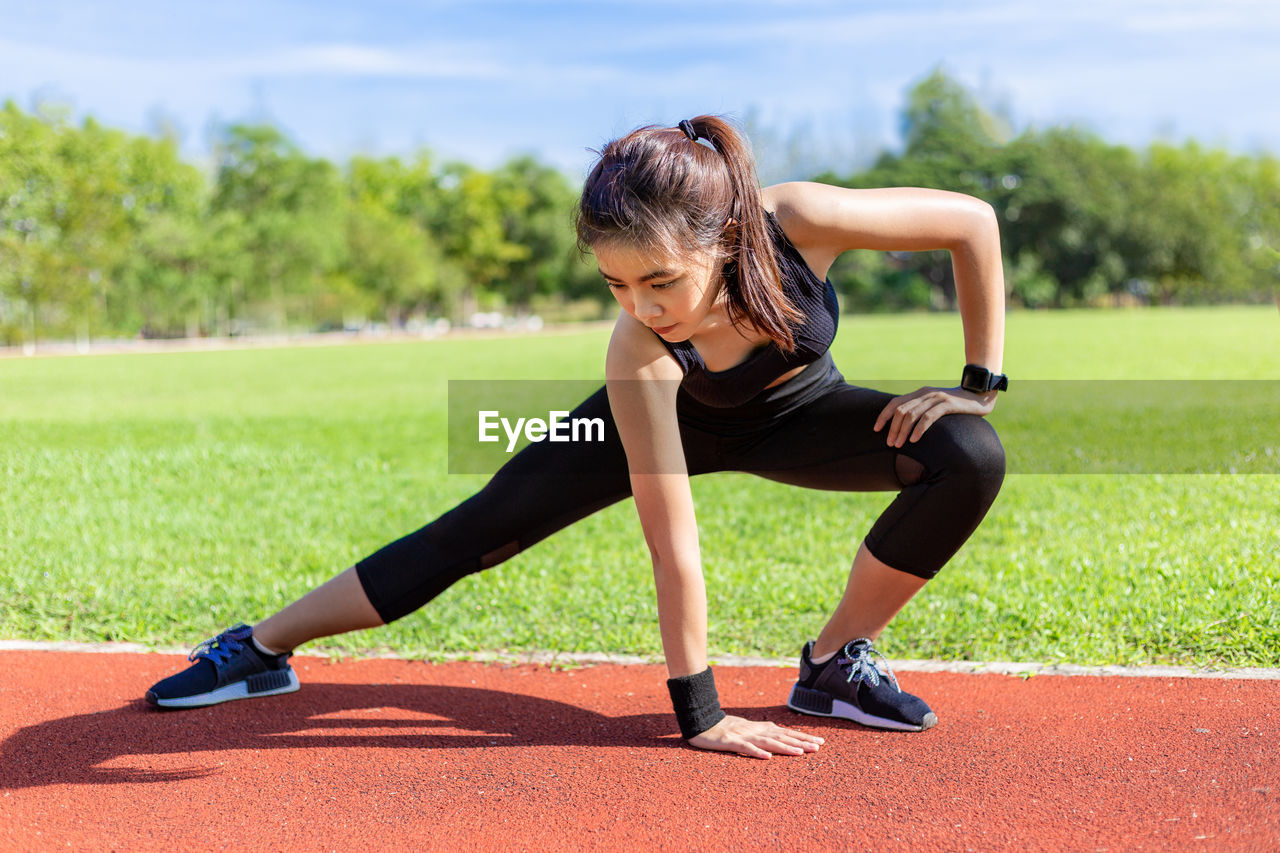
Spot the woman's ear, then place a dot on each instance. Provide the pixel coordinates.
(730, 235)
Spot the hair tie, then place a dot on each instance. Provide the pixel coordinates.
(687, 127)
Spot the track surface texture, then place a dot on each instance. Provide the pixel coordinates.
(387, 754)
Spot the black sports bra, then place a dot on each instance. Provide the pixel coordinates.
(815, 299)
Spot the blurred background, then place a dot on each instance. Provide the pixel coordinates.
(234, 169)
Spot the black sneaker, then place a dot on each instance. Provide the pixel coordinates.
(225, 667)
(849, 686)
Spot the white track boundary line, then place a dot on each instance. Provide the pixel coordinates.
(547, 658)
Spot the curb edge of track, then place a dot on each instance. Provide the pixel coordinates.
(1025, 669)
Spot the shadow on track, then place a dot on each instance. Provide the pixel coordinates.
(72, 750)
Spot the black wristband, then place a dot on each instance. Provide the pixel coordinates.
(696, 702)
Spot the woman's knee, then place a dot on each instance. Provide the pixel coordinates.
(967, 447)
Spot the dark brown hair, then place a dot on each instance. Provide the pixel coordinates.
(657, 190)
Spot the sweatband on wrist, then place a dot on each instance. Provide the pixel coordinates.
(696, 703)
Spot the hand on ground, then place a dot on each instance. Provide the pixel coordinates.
(757, 739)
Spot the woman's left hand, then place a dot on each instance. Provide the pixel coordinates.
(911, 414)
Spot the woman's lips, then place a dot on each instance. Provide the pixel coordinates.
(662, 330)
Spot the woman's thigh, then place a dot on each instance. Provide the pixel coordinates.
(829, 444)
(945, 482)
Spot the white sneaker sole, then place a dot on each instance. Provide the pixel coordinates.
(238, 690)
(843, 710)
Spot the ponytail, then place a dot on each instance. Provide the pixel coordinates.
(661, 188)
(758, 298)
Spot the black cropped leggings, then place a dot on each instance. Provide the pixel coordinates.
(818, 436)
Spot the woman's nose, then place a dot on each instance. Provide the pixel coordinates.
(648, 308)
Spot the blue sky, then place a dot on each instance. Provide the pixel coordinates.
(483, 80)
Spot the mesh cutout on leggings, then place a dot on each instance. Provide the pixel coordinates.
(500, 555)
(908, 470)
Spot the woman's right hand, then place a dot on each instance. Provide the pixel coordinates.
(756, 739)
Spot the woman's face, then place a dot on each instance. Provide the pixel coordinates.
(671, 294)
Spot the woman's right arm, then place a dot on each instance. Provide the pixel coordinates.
(642, 380)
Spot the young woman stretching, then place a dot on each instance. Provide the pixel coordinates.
(719, 361)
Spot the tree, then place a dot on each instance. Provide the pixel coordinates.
(537, 214)
(951, 143)
(1202, 217)
(293, 215)
(1066, 202)
(943, 121)
(393, 261)
(165, 282)
(28, 234)
(468, 224)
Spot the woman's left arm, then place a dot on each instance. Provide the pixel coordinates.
(824, 221)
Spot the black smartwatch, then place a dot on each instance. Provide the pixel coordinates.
(979, 380)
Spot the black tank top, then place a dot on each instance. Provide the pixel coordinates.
(816, 301)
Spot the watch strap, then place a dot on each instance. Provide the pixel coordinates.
(980, 380)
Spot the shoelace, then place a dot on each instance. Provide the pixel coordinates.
(218, 649)
(857, 656)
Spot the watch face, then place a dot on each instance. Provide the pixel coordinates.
(975, 379)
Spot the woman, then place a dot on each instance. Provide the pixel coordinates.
(719, 361)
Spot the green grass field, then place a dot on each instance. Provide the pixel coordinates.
(158, 498)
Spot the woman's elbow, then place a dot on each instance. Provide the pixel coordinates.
(981, 225)
(982, 216)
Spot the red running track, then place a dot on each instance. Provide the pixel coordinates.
(380, 754)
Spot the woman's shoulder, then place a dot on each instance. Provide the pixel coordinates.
(635, 352)
(803, 211)
(804, 206)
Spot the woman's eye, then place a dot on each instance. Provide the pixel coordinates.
(616, 286)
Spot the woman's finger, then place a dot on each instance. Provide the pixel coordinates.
(802, 745)
(932, 406)
(776, 746)
(886, 414)
(908, 417)
(772, 729)
(900, 413)
(804, 736)
(943, 406)
(903, 420)
(775, 729)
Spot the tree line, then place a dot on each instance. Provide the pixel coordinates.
(1082, 222)
(104, 233)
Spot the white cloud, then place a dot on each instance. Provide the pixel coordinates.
(428, 61)
(943, 25)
